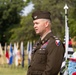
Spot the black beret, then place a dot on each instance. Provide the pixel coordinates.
(41, 15)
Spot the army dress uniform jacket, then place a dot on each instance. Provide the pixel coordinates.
(47, 56)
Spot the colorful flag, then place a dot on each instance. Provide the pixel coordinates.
(70, 51)
(6, 53)
(10, 55)
(1, 52)
(17, 45)
(1, 55)
(29, 52)
(15, 54)
(28, 47)
(22, 53)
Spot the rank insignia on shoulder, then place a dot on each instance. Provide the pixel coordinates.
(57, 42)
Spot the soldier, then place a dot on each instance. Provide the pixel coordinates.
(48, 52)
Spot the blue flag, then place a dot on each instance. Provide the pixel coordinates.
(11, 55)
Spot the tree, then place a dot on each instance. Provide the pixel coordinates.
(24, 32)
(72, 20)
(9, 17)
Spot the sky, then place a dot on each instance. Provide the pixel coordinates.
(28, 9)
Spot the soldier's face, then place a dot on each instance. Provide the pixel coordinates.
(39, 26)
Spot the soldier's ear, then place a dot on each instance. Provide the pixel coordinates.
(46, 24)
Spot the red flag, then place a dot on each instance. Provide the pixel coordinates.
(6, 54)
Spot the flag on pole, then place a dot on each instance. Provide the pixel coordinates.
(22, 53)
(29, 50)
(28, 47)
(70, 51)
(6, 53)
(17, 45)
(1, 52)
(1, 55)
(15, 54)
(10, 55)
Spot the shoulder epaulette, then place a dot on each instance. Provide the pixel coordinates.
(57, 41)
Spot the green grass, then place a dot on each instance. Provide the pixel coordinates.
(12, 71)
(6, 69)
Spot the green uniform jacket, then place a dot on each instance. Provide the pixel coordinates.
(47, 56)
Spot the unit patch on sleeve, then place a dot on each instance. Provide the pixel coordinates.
(57, 42)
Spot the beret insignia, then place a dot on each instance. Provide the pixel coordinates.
(35, 17)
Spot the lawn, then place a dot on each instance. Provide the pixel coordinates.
(6, 69)
(12, 71)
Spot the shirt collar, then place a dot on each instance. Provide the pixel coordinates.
(45, 35)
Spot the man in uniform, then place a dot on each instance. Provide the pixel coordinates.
(48, 52)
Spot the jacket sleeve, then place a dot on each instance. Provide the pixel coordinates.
(55, 56)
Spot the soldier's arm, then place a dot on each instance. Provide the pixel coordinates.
(55, 56)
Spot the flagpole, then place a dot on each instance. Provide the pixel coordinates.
(66, 31)
(66, 37)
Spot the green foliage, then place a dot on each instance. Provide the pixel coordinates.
(9, 17)
(72, 19)
(16, 28)
(24, 32)
(72, 27)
